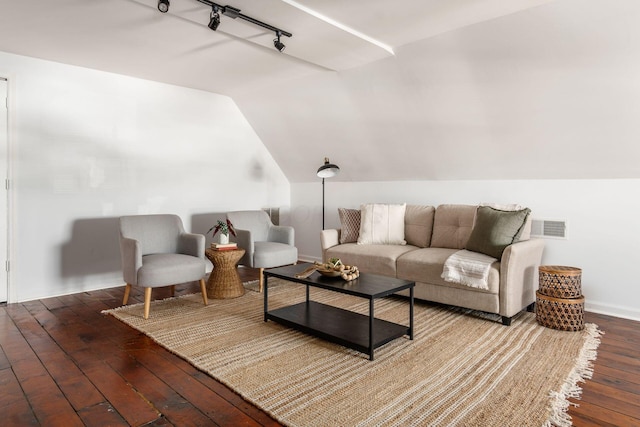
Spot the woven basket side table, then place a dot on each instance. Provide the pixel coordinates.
(559, 300)
(560, 281)
(224, 281)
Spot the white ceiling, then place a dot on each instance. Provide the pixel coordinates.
(132, 37)
(474, 89)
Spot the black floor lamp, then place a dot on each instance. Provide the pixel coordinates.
(327, 170)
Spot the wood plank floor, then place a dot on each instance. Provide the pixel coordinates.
(62, 363)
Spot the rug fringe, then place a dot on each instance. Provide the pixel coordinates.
(570, 389)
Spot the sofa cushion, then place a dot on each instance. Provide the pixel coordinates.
(382, 224)
(349, 225)
(525, 233)
(496, 229)
(425, 265)
(452, 225)
(418, 225)
(376, 259)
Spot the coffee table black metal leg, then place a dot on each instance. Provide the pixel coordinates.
(371, 329)
(266, 292)
(411, 313)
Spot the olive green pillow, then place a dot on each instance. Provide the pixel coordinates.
(494, 230)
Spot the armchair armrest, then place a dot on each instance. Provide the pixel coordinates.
(191, 244)
(519, 275)
(329, 238)
(245, 241)
(131, 259)
(282, 234)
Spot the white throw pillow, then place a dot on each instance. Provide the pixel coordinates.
(382, 224)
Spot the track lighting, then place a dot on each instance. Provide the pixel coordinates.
(234, 13)
(277, 43)
(215, 18)
(163, 6)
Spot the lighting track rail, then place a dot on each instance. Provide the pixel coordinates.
(234, 13)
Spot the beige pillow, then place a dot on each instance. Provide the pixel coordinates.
(382, 224)
(349, 225)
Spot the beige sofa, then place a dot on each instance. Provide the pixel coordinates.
(432, 235)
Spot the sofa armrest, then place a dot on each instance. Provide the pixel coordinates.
(328, 239)
(519, 275)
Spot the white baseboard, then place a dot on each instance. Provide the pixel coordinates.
(307, 258)
(612, 310)
(75, 290)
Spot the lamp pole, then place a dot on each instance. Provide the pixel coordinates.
(327, 170)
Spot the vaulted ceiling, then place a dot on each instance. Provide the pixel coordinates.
(402, 90)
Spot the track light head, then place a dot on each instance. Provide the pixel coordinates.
(215, 19)
(163, 6)
(277, 43)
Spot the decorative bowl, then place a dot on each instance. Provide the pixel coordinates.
(329, 272)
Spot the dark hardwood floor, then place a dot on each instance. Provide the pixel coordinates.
(63, 363)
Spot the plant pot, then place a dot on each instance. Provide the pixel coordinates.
(224, 239)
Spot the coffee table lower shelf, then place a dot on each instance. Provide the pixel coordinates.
(340, 326)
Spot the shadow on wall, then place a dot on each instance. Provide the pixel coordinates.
(201, 223)
(94, 248)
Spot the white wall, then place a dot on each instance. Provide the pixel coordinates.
(601, 216)
(550, 92)
(89, 146)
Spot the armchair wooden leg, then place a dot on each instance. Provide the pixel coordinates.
(203, 288)
(127, 290)
(261, 279)
(147, 302)
(173, 290)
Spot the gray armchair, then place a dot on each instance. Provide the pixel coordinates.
(266, 245)
(156, 251)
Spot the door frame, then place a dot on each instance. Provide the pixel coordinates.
(11, 297)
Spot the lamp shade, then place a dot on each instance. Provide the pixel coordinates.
(328, 170)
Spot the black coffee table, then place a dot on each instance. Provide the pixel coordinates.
(344, 327)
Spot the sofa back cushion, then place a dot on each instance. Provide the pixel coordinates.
(452, 225)
(418, 225)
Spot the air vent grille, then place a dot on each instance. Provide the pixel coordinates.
(549, 228)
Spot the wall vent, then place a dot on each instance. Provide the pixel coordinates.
(548, 228)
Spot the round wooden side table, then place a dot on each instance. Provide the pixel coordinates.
(224, 281)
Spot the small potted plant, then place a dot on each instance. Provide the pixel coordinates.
(224, 228)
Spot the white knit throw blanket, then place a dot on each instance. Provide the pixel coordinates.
(468, 268)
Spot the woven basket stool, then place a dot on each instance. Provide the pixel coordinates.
(559, 300)
(564, 314)
(559, 281)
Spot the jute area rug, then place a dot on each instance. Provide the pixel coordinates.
(461, 369)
